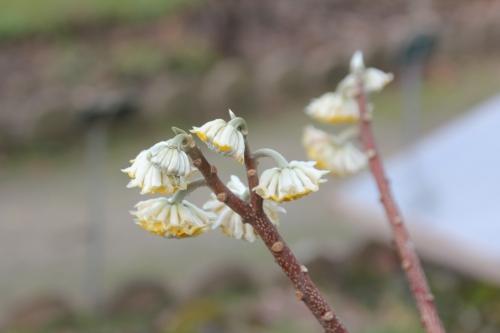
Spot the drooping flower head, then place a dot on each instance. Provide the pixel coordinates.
(333, 108)
(373, 79)
(224, 137)
(230, 222)
(347, 160)
(170, 158)
(150, 178)
(334, 152)
(167, 218)
(318, 145)
(290, 181)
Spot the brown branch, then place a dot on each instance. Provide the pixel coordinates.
(306, 290)
(253, 179)
(409, 259)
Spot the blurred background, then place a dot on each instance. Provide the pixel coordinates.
(86, 84)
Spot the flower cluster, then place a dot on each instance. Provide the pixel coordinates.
(338, 153)
(334, 152)
(153, 177)
(224, 137)
(165, 168)
(171, 219)
(290, 182)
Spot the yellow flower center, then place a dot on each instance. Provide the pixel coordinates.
(161, 229)
(290, 197)
(222, 148)
(201, 135)
(156, 228)
(339, 119)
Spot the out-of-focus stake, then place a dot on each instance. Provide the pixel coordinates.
(413, 57)
(97, 114)
(95, 154)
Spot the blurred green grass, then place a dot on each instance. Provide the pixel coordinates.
(19, 18)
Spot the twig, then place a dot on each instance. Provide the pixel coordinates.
(409, 259)
(306, 290)
(252, 178)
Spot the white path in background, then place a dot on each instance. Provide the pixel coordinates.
(448, 186)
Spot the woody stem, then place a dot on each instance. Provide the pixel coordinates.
(253, 179)
(267, 152)
(180, 195)
(406, 251)
(306, 290)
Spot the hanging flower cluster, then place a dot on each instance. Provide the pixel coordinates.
(338, 153)
(172, 219)
(165, 168)
(334, 152)
(224, 137)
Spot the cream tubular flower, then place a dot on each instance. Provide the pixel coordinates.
(170, 158)
(346, 160)
(333, 108)
(374, 79)
(167, 218)
(231, 223)
(224, 137)
(318, 145)
(290, 180)
(334, 153)
(150, 178)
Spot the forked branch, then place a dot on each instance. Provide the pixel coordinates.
(252, 213)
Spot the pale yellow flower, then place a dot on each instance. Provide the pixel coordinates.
(170, 158)
(224, 137)
(333, 108)
(333, 153)
(231, 223)
(150, 178)
(290, 182)
(163, 217)
(374, 79)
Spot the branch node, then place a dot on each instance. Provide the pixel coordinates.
(327, 316)
(299, 295)
(197, 162)
(303, 269)
(222, 196)
(398, 220)
(277, 246)
(213, 169)
(251, 172)
(406, 264)
(429, 297)
(371, 153)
